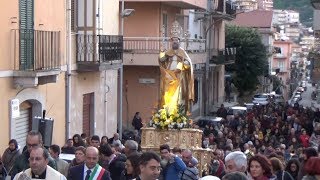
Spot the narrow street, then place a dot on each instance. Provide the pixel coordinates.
(306, 97)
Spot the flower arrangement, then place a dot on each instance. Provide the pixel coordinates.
(167, 118)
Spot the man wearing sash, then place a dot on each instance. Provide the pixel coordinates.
(91, 170)
(39, 168)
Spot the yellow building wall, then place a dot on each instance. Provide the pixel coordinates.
(139, 97)
(49, 15)
(54, 96)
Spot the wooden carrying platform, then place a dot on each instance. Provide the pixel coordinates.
(151, 139)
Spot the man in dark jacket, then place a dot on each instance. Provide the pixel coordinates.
(116, 163)
(34, 140)
(90, 169)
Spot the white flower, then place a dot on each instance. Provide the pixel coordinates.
(154, 126)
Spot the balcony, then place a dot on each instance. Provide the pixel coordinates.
(145, 50)
(98, 52)
(36, 56)
(184, 4)
(223, 10)
(223, 57)
(280, 56)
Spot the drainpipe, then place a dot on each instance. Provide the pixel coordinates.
(208, 36)
(68, 73)
(121, 76)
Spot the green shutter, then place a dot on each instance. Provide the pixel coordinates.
(26, 11)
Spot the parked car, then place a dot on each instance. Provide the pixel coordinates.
(300, 89)
(278, 99)
(208, 120)
(262, 99)
(293, 101)
(67, 157)
(249, 106)
(240, 110)
(298, 97)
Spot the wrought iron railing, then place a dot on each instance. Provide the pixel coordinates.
(155, 44)
(230, 8)
(99, 48)
(36, 49)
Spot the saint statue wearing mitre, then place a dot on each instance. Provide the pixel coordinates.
(177, 80)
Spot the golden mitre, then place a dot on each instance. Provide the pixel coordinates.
(176, 30)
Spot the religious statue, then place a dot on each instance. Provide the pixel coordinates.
(176, 88)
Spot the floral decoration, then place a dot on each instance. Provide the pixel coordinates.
(167, 118)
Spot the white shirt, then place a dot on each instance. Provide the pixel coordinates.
(85, 169)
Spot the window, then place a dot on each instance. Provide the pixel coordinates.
(165, 24)
(281, 66)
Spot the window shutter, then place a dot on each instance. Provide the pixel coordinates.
(26, 12)
(73, 15)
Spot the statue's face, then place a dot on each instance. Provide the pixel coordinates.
(175, 43)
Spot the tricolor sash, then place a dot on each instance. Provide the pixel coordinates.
(97, 173)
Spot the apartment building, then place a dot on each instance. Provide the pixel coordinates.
(281, 61)
(96, 61)
(33, 59)
(246, 5)
(265, 4)
(64, 60)
(147, 31)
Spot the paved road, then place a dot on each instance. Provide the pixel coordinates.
(306, 97)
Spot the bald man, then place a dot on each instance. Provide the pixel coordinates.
(90, 169)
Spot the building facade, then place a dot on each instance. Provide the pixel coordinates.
(95, 62)
(33, 59)
(141, 53)
(246, 5)
(281, 64)
(265, 4)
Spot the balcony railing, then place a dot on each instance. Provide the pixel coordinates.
(35, 50)
(226, 56)
(222, 9)
(95, 49)
(155, 44)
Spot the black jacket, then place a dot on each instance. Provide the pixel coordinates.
(117, 166)
(76, 173)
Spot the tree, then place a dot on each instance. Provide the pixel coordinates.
(251, 58)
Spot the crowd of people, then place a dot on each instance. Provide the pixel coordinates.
(268, 142)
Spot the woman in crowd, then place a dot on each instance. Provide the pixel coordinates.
(77, 141)
(307, 154)
(104, 140)
(277, 167)
(79, 156)
(132, 168)
(312, 169)
(259, 168)
(292, 168)
(10, 154)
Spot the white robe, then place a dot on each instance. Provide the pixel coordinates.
(51, 174)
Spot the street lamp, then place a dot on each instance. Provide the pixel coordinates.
(315, 4)
(124, 13)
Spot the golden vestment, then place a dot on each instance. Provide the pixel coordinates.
(176, 88)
